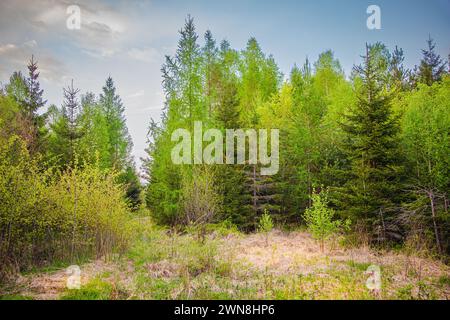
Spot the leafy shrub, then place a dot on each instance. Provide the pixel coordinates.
(48, 215)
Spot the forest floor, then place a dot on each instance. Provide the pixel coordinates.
(230, 265)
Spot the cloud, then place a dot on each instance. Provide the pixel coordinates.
(137, 94)
(145, 55)
(16, 57)
(100, 35)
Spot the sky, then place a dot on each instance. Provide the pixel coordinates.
(129, 39)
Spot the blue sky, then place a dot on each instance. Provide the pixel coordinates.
(128, 39)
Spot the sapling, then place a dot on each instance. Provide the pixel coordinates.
(319, 218)
(265, 225)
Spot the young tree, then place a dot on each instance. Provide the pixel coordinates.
(200, 199)
(320, 218)
(265, 225)
(65, 129)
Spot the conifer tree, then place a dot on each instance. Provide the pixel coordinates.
(432, 67)
(371, 147)
(118, 138)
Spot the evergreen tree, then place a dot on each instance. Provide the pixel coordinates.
(118, 138)
(65, 129)
(371, 147)
(183, 87)
(432, 67)
(34, 102)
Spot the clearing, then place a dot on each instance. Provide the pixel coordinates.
(230, 265)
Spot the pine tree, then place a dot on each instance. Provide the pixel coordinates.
(182, 85)
(399, 75)
(371, 147)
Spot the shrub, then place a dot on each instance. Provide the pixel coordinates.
(49, 215)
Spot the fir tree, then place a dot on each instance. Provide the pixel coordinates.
(371, 147)
(432, 67)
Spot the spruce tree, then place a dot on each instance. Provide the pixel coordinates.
(71, 111)
(29, 95)
(371, 148)
(432, 67)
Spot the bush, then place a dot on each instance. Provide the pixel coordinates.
(48, 215)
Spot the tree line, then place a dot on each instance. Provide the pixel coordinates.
(376, 140)
(368, 152)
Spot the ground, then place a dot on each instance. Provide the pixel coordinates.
(230, 265)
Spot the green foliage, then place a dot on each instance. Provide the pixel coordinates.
(95, 289)
(320, 218)
(371, 147)
(47, 214)
(265, 223)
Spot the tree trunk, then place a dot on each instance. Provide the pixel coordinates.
(433, 215)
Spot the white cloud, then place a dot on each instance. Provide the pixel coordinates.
(137, 94)
(16, 57)
(145, 55)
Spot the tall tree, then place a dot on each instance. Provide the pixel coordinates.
(119, 140)
(432, 67)
(425, 133)
(65, 128)
(94, 144)
(371, 147)
(34, 101)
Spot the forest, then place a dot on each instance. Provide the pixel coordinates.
(363, 163)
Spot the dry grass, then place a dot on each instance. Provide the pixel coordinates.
(235, 266)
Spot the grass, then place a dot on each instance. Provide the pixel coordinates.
(96, 289)
(166, 265)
